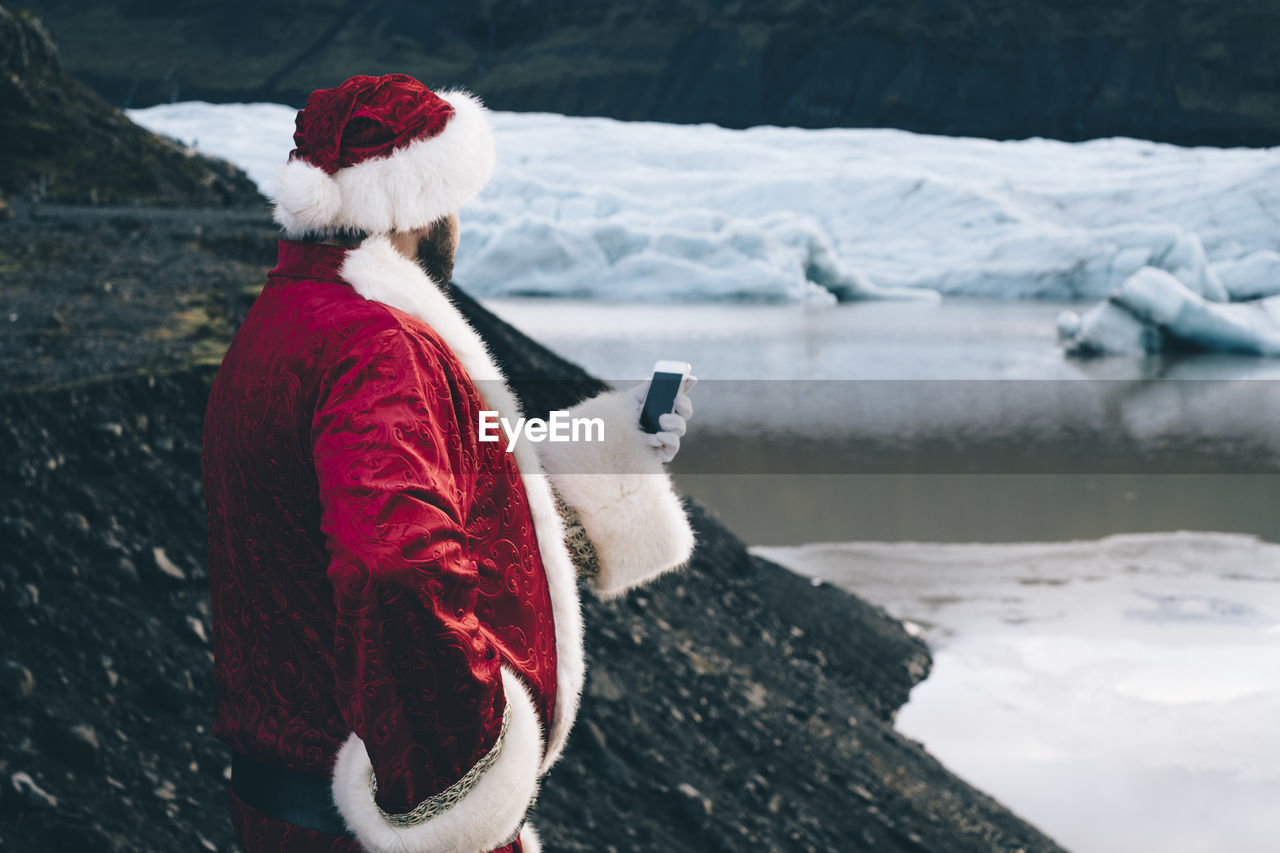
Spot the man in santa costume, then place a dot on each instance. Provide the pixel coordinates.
(397, 633)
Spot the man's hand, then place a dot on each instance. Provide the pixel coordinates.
(633, 518)
(666, 444)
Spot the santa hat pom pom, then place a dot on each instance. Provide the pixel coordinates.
(306, 199)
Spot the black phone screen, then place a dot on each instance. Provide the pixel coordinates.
(663, 389)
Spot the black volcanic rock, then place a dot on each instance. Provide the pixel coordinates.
(60, 142)
(135, 288)
(1193, 71)
(16, 682)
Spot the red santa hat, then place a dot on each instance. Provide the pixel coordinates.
(381, 154)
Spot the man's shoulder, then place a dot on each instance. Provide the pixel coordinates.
(332, 316)
(311, 329)
(318, 304)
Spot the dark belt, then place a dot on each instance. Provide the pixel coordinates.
(286, 795)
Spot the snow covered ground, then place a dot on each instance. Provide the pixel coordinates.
(604, 209)
(1121, 694)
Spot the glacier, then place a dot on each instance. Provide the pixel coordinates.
(641, 211)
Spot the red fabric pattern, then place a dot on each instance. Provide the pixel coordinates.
(372, 563)
(394, 482)
(364, 118)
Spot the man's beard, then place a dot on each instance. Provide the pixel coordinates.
(435, 254)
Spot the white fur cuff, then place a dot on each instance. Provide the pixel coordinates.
(488, 815)
(622, 496)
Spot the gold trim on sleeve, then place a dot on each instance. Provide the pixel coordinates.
(586, 562)
(451, 796)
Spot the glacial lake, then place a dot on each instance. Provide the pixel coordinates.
(1085, 545)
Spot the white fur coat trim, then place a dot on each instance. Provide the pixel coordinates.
(487, 816)
(411, 188)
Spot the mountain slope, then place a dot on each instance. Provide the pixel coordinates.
(63, 143)
(1189, 71)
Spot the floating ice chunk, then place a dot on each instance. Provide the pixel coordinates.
(1108, 328)
(1153, 307)
(1159, 298)
(1069, 324)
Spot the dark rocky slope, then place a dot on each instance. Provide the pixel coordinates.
(95, 290)
(734, 706)
(61, 142)
(1189, 71)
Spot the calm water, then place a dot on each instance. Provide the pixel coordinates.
(952, 422)
(952, 339)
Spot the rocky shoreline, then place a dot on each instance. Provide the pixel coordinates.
(734, 706)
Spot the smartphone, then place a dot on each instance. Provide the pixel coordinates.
(668, 379)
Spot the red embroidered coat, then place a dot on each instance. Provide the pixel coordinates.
(394, 607)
